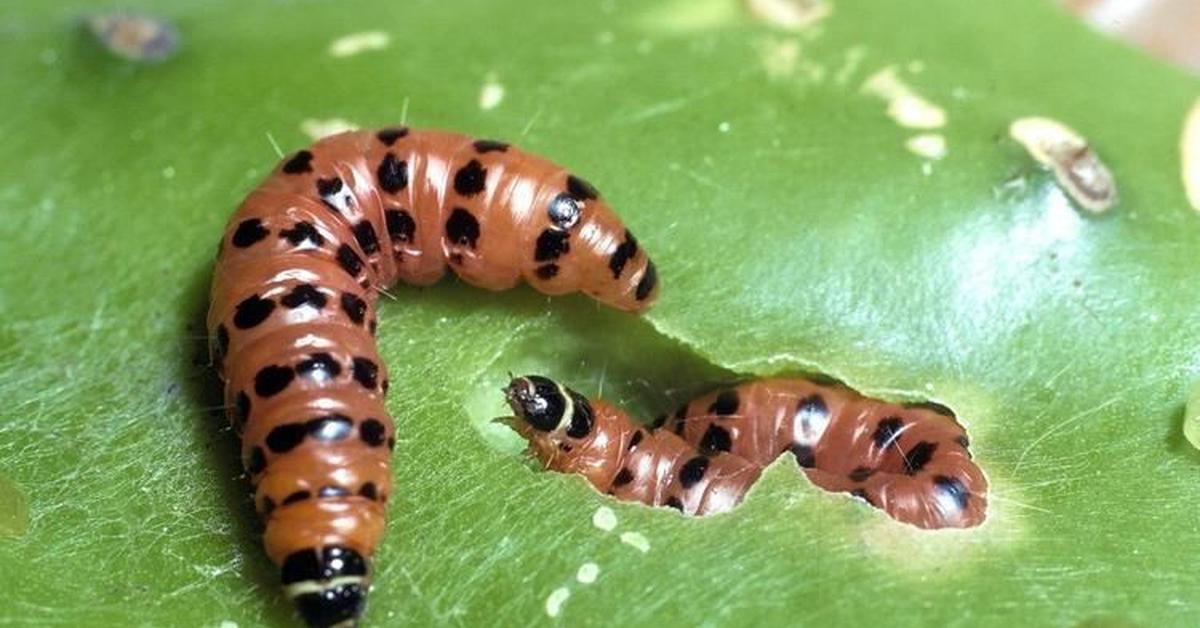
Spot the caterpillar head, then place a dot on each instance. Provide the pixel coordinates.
(549, 407)
(549, 415)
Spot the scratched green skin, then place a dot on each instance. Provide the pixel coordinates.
(804, 238)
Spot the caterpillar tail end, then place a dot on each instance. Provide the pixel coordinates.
(328, 586)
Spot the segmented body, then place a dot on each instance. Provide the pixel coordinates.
(911, 461)
(293, 316)
(571, 434)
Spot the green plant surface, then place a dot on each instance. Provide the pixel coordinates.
(792, 230)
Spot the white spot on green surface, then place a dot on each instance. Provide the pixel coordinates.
(555, 601)
(1189, 148)
(907, 107)
(317, 129)
(357, 43)
(930, 146)
(1191, 417)
(588, 572)
(636, 540)
(605, 519)
(491, 94)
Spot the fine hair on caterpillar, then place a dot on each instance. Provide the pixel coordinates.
(912, 461)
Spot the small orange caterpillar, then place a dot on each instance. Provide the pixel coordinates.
(292, 318)
(910, 461)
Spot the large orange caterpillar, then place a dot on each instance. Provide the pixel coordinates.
(911, 461)
(293, 321)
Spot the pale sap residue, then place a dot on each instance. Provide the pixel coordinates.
(794, 15)
(1189, 147)
(605, 519)
(491, 94)
(588, 572)
(317, 129)
(908, 108)
(636, 540)
(927, 145)
(555, 601)
(14, 509)
(1076, 167)
(359, 42)
(228, 623)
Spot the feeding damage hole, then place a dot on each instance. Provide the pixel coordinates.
(912, 461)
(1077, 168)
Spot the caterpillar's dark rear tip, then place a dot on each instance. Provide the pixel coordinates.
(340, 606)
(328, 586)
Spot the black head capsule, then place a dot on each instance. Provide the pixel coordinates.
(328, 585)
(539, 401)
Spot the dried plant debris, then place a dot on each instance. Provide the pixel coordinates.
(135, 36)
(1076, 167)
(1189, 149)
(792, 15)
